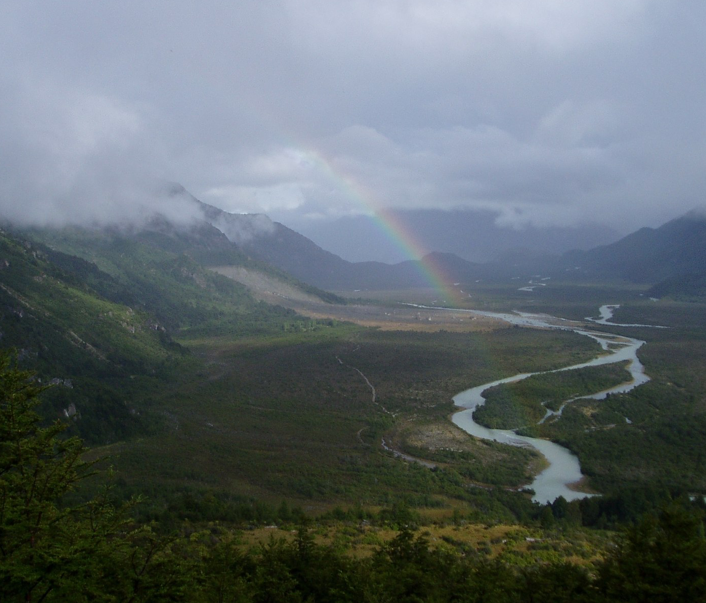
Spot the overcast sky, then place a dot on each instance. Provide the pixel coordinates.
(550, 111)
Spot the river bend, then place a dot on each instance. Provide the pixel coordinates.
(563, 470)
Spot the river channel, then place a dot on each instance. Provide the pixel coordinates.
(563, 469)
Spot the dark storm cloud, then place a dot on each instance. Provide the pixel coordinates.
(546, 111)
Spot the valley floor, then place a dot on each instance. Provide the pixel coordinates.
(324, 412)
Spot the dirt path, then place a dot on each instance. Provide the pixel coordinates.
(383, 443)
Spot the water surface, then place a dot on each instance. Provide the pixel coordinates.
(563, 468)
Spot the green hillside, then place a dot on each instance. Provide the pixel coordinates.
(224, 412)
(96, 313)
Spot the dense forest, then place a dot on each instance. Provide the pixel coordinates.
(235, 445)
(55, 548)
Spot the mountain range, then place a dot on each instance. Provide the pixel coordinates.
(674, 250)
(96, 309)
(473, 235)
(648, 255)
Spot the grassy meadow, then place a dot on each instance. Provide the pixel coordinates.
(292, 417)
(289, 415)
(196, 388)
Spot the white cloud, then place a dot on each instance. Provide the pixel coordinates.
(544, 109)
(249, 199)
(70, 156)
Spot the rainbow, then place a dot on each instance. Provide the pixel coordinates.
(389, 224)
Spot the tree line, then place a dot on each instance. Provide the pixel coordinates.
(95, 551)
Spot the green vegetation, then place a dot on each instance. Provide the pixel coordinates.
(689, 287)
(101, 323)
(574, 301)
(525, 403)
(655, 434)
(254, 403)
(54, 550)
(290, 416)
(223, 392)
(103, 356)
(153, 273)
(215, 407)
(651, 436)
(46, 550)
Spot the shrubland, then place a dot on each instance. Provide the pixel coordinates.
(54, 550)
(220, 413)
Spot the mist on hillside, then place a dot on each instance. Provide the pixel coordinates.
(547, 114)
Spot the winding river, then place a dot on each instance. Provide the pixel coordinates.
(563, 468)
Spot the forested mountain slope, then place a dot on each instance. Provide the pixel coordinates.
(94, 311)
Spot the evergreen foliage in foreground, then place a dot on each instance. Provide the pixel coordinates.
(92, 552)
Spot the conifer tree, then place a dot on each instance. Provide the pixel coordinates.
(45, 548)
(661, 559)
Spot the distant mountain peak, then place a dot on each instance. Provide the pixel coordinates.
(238, 228)
(473, 235)
(650, 254)
(698, 214)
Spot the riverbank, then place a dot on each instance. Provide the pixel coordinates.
(563, 475)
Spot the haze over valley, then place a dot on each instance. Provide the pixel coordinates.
(352, 301)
